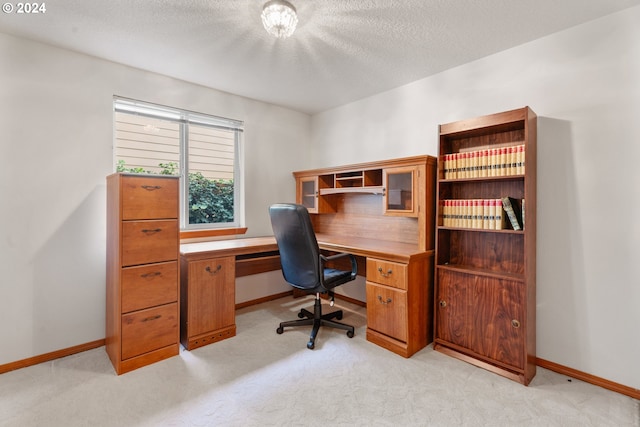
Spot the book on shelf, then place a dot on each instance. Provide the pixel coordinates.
(500, 221)
(488, 162)
(486, 214)
(513, 212)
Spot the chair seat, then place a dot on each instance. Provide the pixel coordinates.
(333, 276)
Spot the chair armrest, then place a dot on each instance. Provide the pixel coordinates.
(354, 263)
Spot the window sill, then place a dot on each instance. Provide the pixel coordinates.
(197, 234)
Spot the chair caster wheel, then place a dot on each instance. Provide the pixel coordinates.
(350, 334)
(339, 316)
(300, 315)
(280, 330)
(311, 345)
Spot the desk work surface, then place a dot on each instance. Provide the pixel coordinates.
(394, 251)
(229, 247)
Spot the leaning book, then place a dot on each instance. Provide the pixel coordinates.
(514, 214)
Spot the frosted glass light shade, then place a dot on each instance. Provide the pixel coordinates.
(279, 18)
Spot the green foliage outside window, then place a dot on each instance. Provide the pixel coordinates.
(210, 200)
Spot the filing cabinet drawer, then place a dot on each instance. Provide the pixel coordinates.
(149, 285)
(387, 273)
(149, 198)
(387, 311)
(149, 241)
(147, 330)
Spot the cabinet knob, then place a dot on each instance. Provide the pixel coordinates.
(515, 323)
(443, 303)
(387, 274)
(210, 271)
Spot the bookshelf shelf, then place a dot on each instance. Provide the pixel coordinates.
(480, 230)
(460, 268)
(484, 301)
(484, 179)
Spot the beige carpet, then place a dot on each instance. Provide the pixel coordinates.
(259, 378)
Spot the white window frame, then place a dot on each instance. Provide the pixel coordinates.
(184, 118)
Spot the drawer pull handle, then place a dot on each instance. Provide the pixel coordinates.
(148, 275)
(151, 187)
(151, 231)
(443, 303)
(515, 323)
(148, 319)
(388, 301)
(218, 268)
(387, 274)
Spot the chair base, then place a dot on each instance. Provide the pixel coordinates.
(317, 319)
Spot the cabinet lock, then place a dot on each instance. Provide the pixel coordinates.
(443, 303)
(515, 323)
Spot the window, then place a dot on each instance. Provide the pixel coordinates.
(203, 150)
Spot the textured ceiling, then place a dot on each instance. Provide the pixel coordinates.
(342, 50)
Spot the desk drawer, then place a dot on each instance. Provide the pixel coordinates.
(149, 285)
(146, 242)
(387, 273)
(387, 311)
(147, 330)
(149, 197)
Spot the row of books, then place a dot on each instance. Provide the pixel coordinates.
(503, 161)
(487, 214)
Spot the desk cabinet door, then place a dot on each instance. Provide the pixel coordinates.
(484, 314)
(211, 295)
(387, 311)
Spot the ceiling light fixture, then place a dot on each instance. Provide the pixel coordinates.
(279, 18)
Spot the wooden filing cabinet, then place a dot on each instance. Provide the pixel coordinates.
(399, 298)
(142, 319)
(207, 298)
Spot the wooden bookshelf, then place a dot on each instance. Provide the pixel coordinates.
(485, 281)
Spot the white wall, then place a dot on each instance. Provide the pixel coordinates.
(56, 118)
(584, 84)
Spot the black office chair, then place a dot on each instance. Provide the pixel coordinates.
(303, 266)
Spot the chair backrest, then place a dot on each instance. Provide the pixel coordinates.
(299, 251)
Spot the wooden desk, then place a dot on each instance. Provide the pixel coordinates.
(399, 288)
(393, 199)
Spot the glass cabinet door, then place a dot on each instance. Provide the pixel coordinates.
(308, 193)
(400, 191)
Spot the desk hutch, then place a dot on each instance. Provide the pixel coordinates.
(384, 212)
